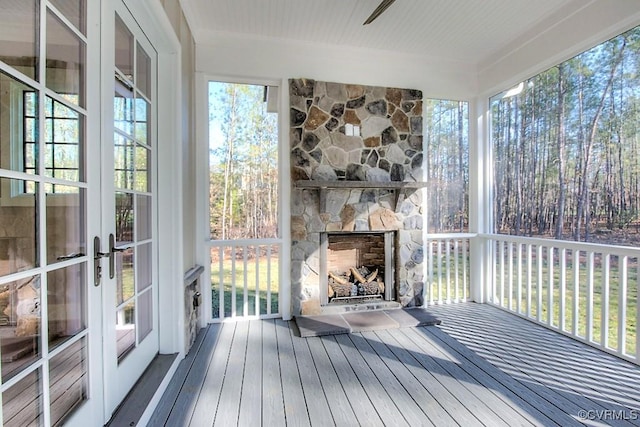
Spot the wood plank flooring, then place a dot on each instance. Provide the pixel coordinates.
(482, 366)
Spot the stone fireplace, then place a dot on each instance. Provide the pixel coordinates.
(356, 159)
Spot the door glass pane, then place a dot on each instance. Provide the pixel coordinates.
(18, 222)
(66, 303)
(143, 71)
(18, 39)
(22, 403)
(29, 142)
(65, 222)
(124, 218)
(125, 285)
(123, 108)
(144, 266)
(143, 174)
(123, 161)
(18, 125)
(143, 224)
(74, 11)
(124, 49)
(65, 61)
(125, 329)
(145, 314)
(19, 325)
(64, 141)
(68, 380)
(143, 112)
(132, 177)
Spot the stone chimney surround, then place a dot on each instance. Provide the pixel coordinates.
(356, 166)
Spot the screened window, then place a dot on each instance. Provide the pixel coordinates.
(566, 146)
(243, 162)
(447, 163)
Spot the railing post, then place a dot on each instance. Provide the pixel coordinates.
(480, 268)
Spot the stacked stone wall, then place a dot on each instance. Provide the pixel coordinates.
(355, 133)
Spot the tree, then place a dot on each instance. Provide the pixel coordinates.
(561, 140)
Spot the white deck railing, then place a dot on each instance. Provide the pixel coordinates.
(245, 278)
(447, 258)
(587, 291)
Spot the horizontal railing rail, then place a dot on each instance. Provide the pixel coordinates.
(245, 278)
(584, 290)
(448, 263)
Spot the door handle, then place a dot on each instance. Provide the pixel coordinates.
(97, 268)
(70, 256)
(112, 255)
(112, 258)
(98, 255)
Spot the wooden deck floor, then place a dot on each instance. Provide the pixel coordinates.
(482, 366)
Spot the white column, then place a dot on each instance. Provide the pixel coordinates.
(285, 201)
(200, 160)
(480, 205)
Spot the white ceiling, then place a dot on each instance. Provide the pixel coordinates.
(471, 31)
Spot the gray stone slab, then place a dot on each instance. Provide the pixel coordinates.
(326, 324)
(369, 321)
(409, 317)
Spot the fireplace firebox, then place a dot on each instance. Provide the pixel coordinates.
(357, 267)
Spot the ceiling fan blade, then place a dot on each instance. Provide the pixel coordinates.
(381, 8)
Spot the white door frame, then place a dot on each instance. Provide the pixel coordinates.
(171, 267)
(154, 22)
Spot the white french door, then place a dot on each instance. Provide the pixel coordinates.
(78, 210)
(50, 311)
(128, 252)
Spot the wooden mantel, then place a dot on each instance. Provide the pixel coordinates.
(398, 187)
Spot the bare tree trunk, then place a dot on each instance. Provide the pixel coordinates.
(583, 211)
(518, 168)
(543, 220)
(226, 195)
(561, 141)
(462, 208)
(609, 206)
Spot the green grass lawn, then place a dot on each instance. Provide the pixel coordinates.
(438, 287)
(266, 280)
(598, 298)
